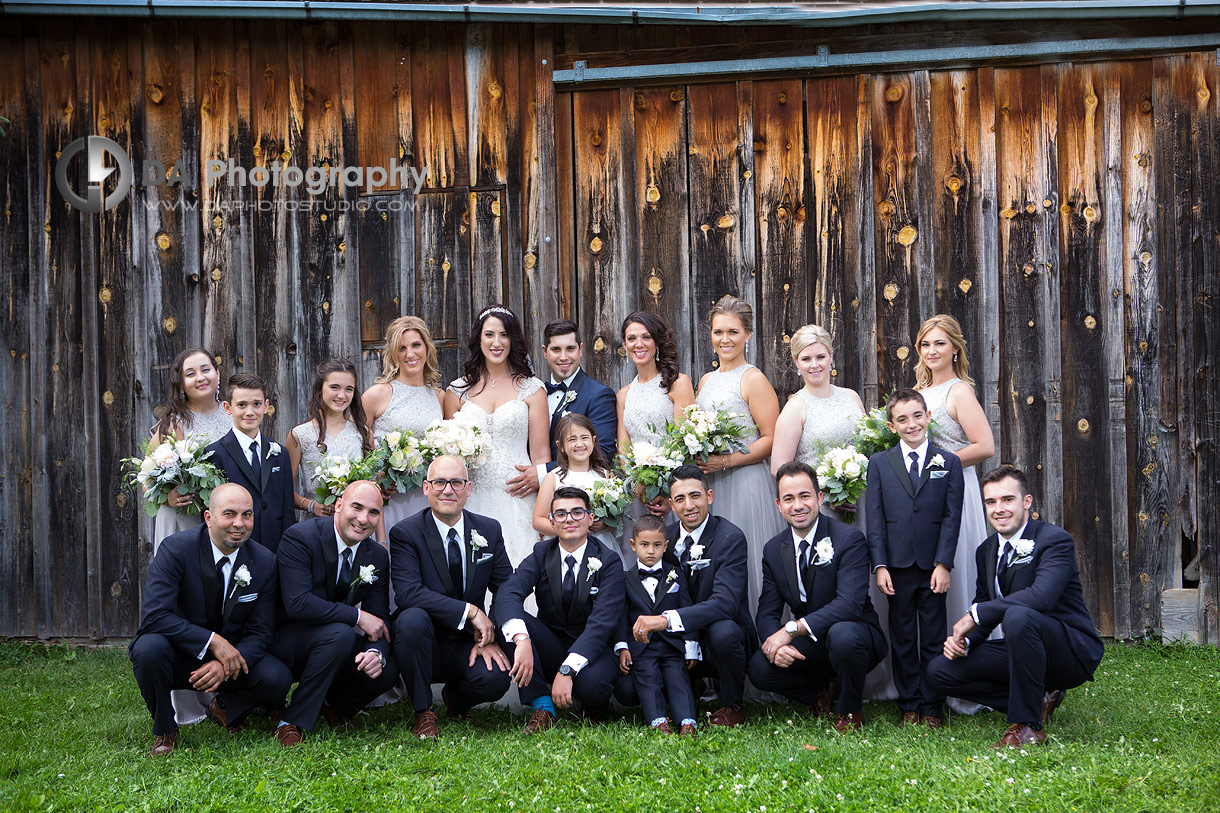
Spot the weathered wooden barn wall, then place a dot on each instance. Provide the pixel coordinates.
(1065, 213)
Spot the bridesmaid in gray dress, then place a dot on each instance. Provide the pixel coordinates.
(404, 398)
(658, 393)
(743, 489)
(819, 417)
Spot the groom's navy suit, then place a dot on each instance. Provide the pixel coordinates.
(912, 528)
(847, 640)
(179, 617)
(430, 646)
(596, 402)
(1049, 641)
(271, 492)
(316, 638)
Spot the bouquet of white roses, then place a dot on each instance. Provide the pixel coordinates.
(456, 436)
(873, 434)
(334, 474)
(610, 500)
(648, 467)
(400, 461)
(181, 464)
(841, 476)
(703, 433)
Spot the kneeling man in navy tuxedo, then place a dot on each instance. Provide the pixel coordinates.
(580, 589)
(210, 600)
(818, 568)
(1028, 581)
(445, 560)
(334, 580)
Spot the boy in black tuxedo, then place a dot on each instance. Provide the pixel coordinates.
(914, 514)
(657, 668)
(255, 462)
(578, 584)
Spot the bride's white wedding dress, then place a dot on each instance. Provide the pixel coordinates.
(507, 431)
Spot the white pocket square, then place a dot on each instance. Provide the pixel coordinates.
(673, 588)
(936, 475)
(484, 558)
(1022, 560)
(274, 469)
(593, 591)
(699, 564)
(247, 597)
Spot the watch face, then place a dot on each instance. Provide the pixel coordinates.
(565, 670)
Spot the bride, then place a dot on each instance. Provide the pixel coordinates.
(499, 392)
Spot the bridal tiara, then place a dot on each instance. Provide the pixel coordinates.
(490, 311)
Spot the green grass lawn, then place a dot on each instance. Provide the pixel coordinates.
(74, 731)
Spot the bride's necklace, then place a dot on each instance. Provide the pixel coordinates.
(492, 381)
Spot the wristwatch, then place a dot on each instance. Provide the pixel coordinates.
(793, 629)
(566, 671)
(380, 657)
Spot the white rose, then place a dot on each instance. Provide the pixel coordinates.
(368, 574)
(824, 549)
(164, 456)
(393, 438)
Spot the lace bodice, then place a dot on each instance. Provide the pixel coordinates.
(210, 428)
(945, 432)
(506, 428)
(646, 408)
(347, 444)
(722, 390)
(829, 422)
(410, 409)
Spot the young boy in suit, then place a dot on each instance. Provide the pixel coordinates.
(255, 462)
(914, 513)
(658, 668)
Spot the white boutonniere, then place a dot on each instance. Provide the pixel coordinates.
(672, 577)
(242, 577)
(568, 398)
(696, 551)
(1023, 547)
(477, 540)
(273, 449)
(368, 574)
(938, 461)
(823, 551)
(595, 565)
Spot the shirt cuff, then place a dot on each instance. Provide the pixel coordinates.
(620, 646)
(541, 467)
(204, 651)
(693, 651)
(974, 613)
(577, 662)
(512, 628)
(465, 613)
(808, 630)
(675, 621)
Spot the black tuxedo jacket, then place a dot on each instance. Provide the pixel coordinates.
(672, 594)
(1047, 581)
(600, 596)
(272, 494)
(309, 569)
(718, 590)
(421, 567)
(835, 591)
(180, 590)
(596, 402)
(913, 526)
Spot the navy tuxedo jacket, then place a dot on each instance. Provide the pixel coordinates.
(600, 602)
(309, 572)
(421, 568)
(913, 526)
(1047, 581)
(835, 591)
(718, 589)
(672, 594)
(272, 494)
(596, 402)
(180, 590)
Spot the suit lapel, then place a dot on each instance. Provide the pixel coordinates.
(364, 556)
(554, 576)
(787, 553)
(436, 549)
(231, 445)
(265, 470)
(472, 556)
(636, 583)
(583, 576)
(330, 563)
(990, 550)
(207, 569)
(904, 476)
(231, 596)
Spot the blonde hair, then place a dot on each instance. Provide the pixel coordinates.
(732, 306)
(807, 335)
(951, 327)
(389, 353)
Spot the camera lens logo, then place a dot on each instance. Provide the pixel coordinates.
(96, 199)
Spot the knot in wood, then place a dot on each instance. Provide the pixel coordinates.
(1028, 271)
(169, 324)
(258, 151)
(782, 98)
(781, 214)
(326, 307)
(1090, 322)
(1090, 213)
(595, 139)
(595, 245)
(323, 217)
(965, 285)
(654, 285)
(108, 398)
(531, 260)
(1029, 207)
(494, 90)
(154, 93)
(885, 208)
(1082, 425)
(116, 589)
(271, 407)
(215, 275)
(445, 266)
(907, 235)
(652, 194)
(621, 352)
(893, 93)
(890, 291)
(495, 208)
(902, 353)
(1009, 213)
(1146, 105)
(599, 345)
(1204, 94)
(163, 241)
(725, 222)
(677, 95)
(953, 183)
(104, 295)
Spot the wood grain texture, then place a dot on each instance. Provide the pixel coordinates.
(438, 105)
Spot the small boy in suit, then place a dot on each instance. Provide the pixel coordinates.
(255, 462)
(914, 514)
(658, 668)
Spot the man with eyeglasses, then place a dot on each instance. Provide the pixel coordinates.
(564, 654)
(443, 560)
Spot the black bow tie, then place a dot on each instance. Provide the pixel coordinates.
(654, 573)
(562, 386)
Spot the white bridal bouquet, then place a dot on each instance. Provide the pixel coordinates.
(336, 473)
(703, 433)
(181, 464)
(610, 500)
(457, 436)
(873, 434)
(841, 476)
(648, 467)
(401, 463)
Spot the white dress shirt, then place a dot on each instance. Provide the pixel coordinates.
(671, 616)
(443, 530)
(552, 403)
(516, 626)
(217, 555)
(1005, 542)
(921, 450)
(244, 440)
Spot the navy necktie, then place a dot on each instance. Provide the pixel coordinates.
(804, 556)
(568, 589)
(257, 463)
(914, 469)
(345, 576)
(220, 589)
(455, 563)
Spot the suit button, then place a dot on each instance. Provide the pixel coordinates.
(914, 508)
(265, 506)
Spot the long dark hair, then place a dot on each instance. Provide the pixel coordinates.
(177, 413)
(667, 348)
(597, 459)
(354, 411)
(518, 357)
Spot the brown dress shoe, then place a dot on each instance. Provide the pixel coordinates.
(540, 720)
(221, 717)
(687, 730)
(164, 744)
(426, 726)
(1051, 701)
(824, 705)
(663, 728)
(728, 716)
(289, 735)
(908, 718)
(849, 722)
(1020, 735)
(930, 721)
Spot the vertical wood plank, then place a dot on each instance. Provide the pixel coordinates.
(1049, 317)
(779, 168)
(440, 143)
(487, 242)
(989, 279)
(547, 287)
(443, 288)
(376, 86)
(486, 104)
(865, 301)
